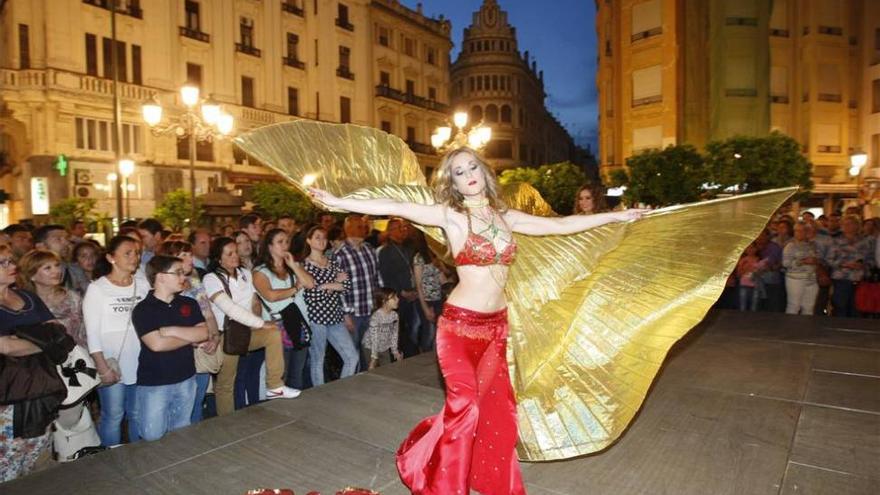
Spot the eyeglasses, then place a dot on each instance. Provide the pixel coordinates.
(179, 273)
(6, 263)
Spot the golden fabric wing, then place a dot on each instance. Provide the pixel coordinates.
(593, 315)
(341, 158)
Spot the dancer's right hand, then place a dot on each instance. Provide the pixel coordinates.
(323, 197)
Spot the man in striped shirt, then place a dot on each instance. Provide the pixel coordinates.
(359, 260)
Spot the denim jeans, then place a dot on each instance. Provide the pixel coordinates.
(164, 408)
(202, 382)
(341, 340)
(409, 311)
(361, 325)
(843, 298)
(118, 401)
(247, 378)
(295, 367)
(429, 328)
(748, 299)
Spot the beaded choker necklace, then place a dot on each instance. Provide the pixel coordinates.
(476, 203)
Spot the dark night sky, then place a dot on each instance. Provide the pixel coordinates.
(561, 36)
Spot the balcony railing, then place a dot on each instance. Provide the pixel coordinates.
(248, 49)
(132, 9)
(343, 71)
(293, 62)
(344, 24)
(195, 34)
(646, 34)
(830, 97)
(290, 8)
(70, 82)
(648, 100)
(386, 91)
(425, 149)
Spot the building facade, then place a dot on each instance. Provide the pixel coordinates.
(503, 88)
(264, 61)
(688, 72)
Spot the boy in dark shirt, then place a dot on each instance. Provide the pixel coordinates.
(168, 325)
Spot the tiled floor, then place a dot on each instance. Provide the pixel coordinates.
(746, 404)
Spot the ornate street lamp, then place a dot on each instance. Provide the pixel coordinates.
(126, 170)
(475, 137)
(204, 120)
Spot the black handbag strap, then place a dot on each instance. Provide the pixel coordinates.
(225, 283)
(292, 278)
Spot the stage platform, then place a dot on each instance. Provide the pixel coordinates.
(748, 403)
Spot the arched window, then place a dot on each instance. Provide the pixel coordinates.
(506, 114)
(492, 113)
(476, 113)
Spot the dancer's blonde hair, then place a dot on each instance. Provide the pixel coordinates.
(444, 186)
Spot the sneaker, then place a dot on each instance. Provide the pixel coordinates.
(282, 393)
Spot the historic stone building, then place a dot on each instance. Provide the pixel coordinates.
(497, 85)
(676, 72)
(370, 62)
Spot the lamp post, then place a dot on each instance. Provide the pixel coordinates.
(203, 120)
(476, 137)
(857, 161)
(126, 169)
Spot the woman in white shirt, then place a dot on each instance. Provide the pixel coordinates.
(241, 304)
(114, 346)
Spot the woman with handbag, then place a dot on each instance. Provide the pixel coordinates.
(112, 343)
(207, 356)
(17, 308)
(232, 295)
(277, 279)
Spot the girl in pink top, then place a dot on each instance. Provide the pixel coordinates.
(748, 264)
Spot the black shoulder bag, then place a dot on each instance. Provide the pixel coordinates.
(294, 322)
(236, 336)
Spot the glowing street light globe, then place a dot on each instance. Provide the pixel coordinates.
(126, 167)
(152, 113)
(210, 112)
(225, 123)
(189, 95)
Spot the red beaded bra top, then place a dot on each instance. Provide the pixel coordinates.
(480, 251)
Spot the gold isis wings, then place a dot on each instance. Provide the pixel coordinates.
(592, 315)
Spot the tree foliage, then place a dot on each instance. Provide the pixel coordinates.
(680, 174)
(175, 208)
(274, 199)
(752, 164)
(558, 183)
(67, 210)
(663, 177)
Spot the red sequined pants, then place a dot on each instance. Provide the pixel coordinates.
(471, 444)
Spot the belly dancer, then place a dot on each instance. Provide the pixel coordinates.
(470, 444)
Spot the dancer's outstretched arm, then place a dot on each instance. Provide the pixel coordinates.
(524, 223)
(432, 215)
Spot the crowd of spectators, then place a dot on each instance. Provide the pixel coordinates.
(808, 266)
(323, 300)
(151, 307)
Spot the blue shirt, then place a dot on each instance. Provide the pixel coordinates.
(33, 312)
(167, 367)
